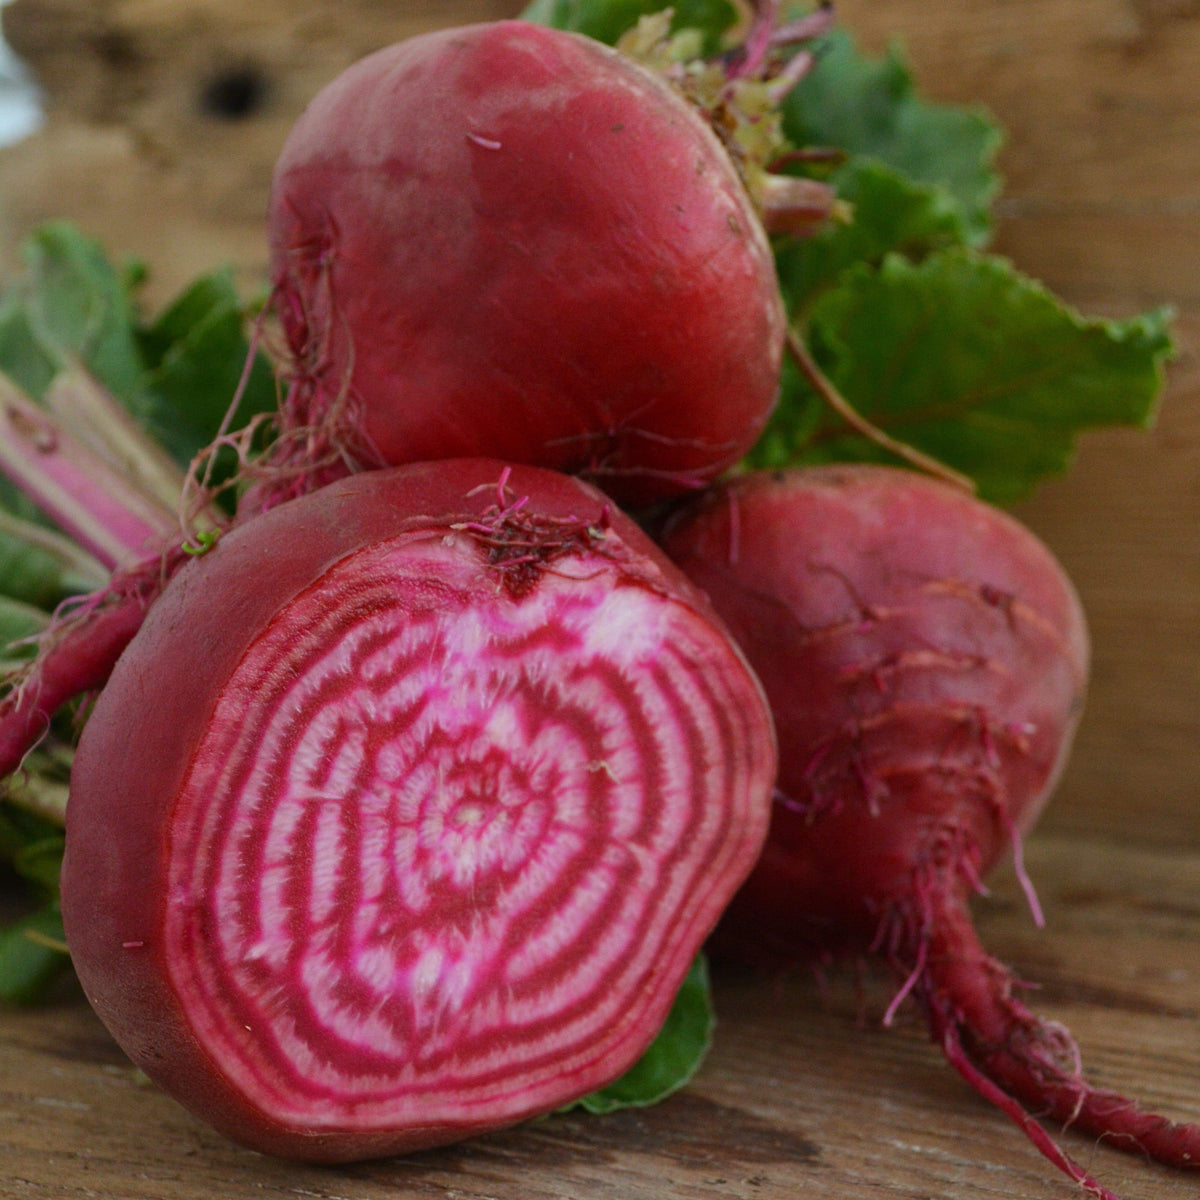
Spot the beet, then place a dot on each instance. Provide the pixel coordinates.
(509, 240)
(406, 811)
(925, 658)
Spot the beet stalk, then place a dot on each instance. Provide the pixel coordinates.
(105, 484)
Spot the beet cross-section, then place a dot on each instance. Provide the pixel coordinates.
(407, 810)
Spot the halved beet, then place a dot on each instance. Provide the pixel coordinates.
(405, 813)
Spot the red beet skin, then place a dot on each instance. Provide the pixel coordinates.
(511, 240)
(406, 811)
(925, 658)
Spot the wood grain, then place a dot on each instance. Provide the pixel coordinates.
(804, 1094)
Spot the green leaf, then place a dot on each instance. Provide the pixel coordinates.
(178, 375)
(673, 1056)
(19, 827)
(81, 310)
(23, 357)
(39, 568)
(33, 807)
(871, 109)
(40, 862)
(968, 360)
(196, 352)
(17, 506)
(606, 20)
(889, 212)
(18, 621)
(31, 956)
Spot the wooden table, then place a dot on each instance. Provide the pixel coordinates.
(798, 1099)
(804, 1094)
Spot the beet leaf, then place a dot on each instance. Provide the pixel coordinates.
(967, 359)
(871, 109)
(606, 20)
(73, 308)
(672, 1058)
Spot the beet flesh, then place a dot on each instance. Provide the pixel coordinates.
(511, 240)
(407, 809)
(925, 657)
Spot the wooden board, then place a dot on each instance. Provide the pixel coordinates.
(804, 1094)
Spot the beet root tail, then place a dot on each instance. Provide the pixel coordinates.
(1028, 1067)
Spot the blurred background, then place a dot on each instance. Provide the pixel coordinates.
(161, 119)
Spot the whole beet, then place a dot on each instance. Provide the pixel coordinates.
(509, 240)
(926, 658)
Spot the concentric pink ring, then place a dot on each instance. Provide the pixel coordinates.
(447, 858)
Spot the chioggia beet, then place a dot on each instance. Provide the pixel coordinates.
(405, 813)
